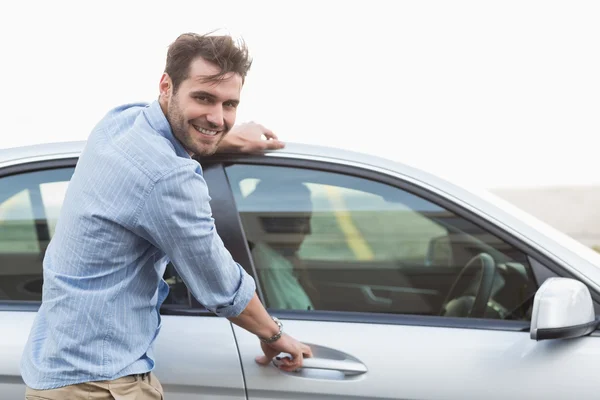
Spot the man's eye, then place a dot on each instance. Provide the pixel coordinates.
(202, 99)
(230, 105)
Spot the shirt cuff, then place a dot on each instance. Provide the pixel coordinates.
(244, 294)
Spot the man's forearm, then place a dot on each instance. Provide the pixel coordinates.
(256, 319)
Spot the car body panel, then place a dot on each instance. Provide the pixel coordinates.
(194, 355)
(417, 362)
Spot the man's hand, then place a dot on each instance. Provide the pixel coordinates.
(257, 320)
(285, 344)
(248, 138)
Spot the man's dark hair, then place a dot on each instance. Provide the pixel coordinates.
(223, 51)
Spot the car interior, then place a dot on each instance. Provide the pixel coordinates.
(449, 278)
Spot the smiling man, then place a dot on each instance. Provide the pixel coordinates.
(201, 108)
(136, 201)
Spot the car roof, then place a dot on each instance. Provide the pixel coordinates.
(42, 150)
(295, 150)
(50, 150)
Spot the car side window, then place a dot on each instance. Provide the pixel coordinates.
(29, 208)
(30, 204)
(329, 241)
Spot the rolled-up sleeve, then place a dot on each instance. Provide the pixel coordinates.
(176, 217)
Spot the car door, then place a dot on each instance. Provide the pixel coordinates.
(381, 278)
(196, 352)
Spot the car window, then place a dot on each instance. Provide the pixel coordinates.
(29, 207)
(30, 204)
(328, 241)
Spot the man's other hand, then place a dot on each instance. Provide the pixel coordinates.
(249, 137)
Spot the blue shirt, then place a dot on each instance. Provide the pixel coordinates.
(136, 200)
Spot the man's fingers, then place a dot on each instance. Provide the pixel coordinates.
(269, 134)
(267, 356)
(290, 362)
(290, 365)
(262, 360)
(272, 144)
(263, 145)
(286, 361)
(307, 351)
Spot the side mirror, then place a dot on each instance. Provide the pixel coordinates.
(562, 309)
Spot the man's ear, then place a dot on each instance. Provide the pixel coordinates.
(165, 86)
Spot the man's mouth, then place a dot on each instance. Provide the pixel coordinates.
(204, 131)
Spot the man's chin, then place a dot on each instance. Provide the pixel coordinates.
(205, 150)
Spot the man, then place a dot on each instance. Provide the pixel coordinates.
(137, 200)
(284, 278)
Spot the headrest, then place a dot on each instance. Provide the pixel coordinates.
(278, 196)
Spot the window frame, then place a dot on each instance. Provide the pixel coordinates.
(543, 267)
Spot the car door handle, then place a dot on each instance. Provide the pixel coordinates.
(347, 367)
(372, 298)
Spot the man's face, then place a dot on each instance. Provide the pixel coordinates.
(201, 113)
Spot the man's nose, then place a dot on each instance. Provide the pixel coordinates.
(215, 116)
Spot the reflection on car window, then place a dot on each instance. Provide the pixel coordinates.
(328, 241)
(53, 195)
(17, 233)
(29, 207)
(30, 204)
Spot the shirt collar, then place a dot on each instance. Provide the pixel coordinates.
(158, 121)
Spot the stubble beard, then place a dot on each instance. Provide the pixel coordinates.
(181, 130)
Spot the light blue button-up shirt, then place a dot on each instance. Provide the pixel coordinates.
(136, 201)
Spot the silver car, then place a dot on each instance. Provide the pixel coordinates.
(406, 286)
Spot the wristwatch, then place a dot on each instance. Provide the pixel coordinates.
(275, 336)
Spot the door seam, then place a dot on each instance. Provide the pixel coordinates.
(237, 346)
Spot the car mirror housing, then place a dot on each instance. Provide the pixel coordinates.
(562, 308)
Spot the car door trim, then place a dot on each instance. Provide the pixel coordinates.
(25, 161)
(402, 319)
(36, 164)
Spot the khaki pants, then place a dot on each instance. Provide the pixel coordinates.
(132, 387)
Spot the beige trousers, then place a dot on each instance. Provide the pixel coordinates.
(132, 387)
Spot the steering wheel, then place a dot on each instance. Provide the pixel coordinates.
(462, 305)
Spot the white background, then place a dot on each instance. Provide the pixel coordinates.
(489, 93)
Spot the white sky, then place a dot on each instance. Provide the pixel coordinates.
(490, 93)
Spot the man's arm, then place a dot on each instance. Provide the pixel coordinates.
(176, 217)
(248, 138)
